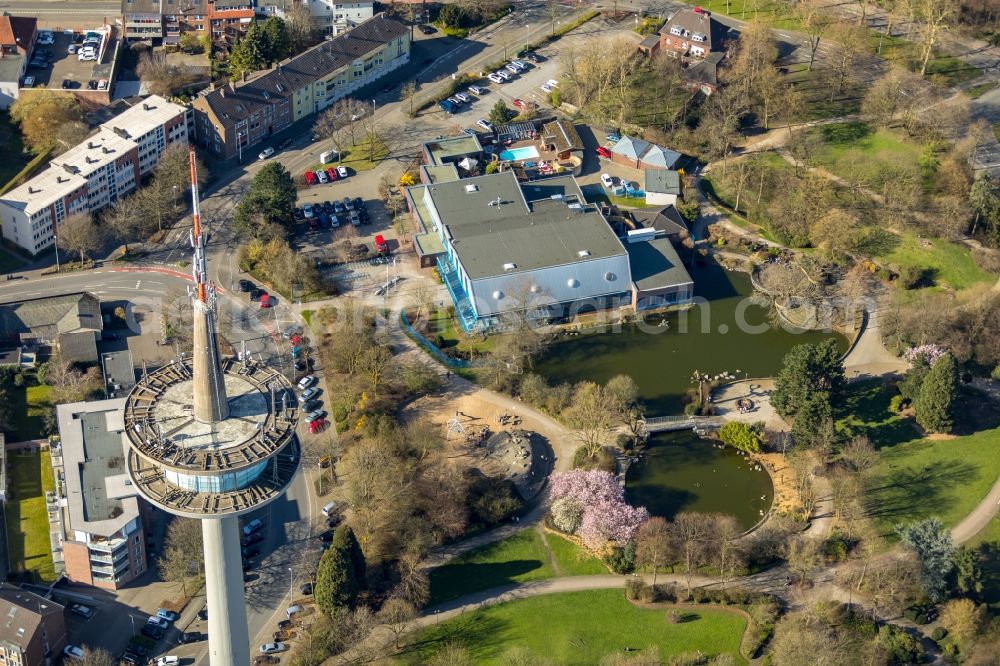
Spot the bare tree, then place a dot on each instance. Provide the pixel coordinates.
(97, 657)
(300, 26)
(78, 233)
(724, 549)
(691, 534)
(591, 415)
(654, 545)
(160, 76)
(933, 17)
(407, 94)
(815, 22)
(183, 552)
(851, 42)
(396, 614)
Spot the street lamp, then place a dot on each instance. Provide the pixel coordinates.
(290, 584)
(239, 145)
(132, 617)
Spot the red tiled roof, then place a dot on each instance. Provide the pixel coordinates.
(17, 31)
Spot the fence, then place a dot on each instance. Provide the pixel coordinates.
(429, 346)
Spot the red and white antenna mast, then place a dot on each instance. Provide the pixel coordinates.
(199, 270)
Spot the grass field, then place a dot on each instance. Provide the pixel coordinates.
(521, 558)
(846, 145)
(452, 338)
(360, 156)
(28, 546)
(946, 478)
(12, 147)
(866, 412)
(774, 12)
(945, 263)
(27, 415)
(590, 626)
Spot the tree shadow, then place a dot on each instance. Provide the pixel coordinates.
(457, 579)
(845, 133)
(990, 552)
(482, 633)
(915, 494)
(865, 411)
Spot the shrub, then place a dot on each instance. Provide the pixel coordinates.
(633, 588)
(688, 659)
(938, 634)
(340, 413)
(666, 592)
(621, 559)
(674, 616)
(896, 404)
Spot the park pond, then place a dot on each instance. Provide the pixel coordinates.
(683, 472)
(725, 333)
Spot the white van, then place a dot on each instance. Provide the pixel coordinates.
(329, 508)
(329, 156)
(292, 610)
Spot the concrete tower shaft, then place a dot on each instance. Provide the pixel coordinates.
(228, 635)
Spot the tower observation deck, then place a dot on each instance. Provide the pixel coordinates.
(213, 438)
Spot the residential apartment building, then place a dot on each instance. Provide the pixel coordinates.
(232, 118)
(332, 18)
(93, 174)
(167, 20)
(32, 629)
(102, 541)
(692, 34)
(17, 39)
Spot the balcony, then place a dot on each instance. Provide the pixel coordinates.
(108, 545)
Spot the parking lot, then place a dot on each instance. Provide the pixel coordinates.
(65, 67)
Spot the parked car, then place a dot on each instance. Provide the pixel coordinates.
(102, 84)
(552, 83)
(359, 203)
(531, 56)
(29, 81)
(149, 631)
(308, 211)
(511, 68)
(428, 29)
(272, 648)
(322, 177)
(158, 622)
(476, 90)
(310, 177)
(306, 382)
(522, 104)
(312, 405)
(462, 97)
(264, 154)
(613, 135)
(45, 37)
(607, 181)
(71, 49)
(190, 637)
(168, 660)
(203, 613)
(249, 539)
(546, 88)
(309, 394)
(331, 173)
(130, 659)
(495, 78)
(92, 84)
(167, 615)
(603, 152)
(307, 588)
(73, 652)
(285, 143)
(81, 610)
(504, 74)
(252, 526)
(250, 552)
(342, 172)
(315, 416)
(338, 208)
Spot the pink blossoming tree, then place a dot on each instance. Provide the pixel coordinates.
(606, 514)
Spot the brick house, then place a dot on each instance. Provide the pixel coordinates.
(692, 34)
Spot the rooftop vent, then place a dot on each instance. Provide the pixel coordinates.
(90, 145)
(120, 132)
(59, 179)
(31, 190)
(509, 267)
(146, 107)
(471, 187)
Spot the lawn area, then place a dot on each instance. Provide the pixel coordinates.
(27, 415)
(442, 323)
(815, 88)
(774, 12)
(866, 412)
(846, 145)
(942, 477)
(950, 71)
(978, 91)
(523, 557)
(580, 628)
(308, 316)
(12, 147)
(360, 156)
(944, 263)
(30, 476)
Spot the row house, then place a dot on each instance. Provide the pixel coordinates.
(232, 118)
(166, 20)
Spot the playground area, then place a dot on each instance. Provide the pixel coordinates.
(499, 440)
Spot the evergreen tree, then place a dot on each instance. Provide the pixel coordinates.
(345, 540)
(270, 198)
(278, 42)
(909, 387)
(813, 423)
(336, 587)
(500, 113)
(250, 53)
(938, 397)
(968, 573)
(808, 369)
(936, 552)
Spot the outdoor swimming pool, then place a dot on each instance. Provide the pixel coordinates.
(518, 154)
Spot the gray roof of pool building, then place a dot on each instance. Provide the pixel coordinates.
(452, 147)
(655, 265)
(492, 221)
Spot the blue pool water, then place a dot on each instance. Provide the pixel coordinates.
(518, 154)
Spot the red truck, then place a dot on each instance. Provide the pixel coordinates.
(380, 245)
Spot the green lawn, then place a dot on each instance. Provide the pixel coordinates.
(520, 558)
(950, 71)
(308, 316)
(12, 147)
(866, 412)
(30, 404)
(844, 146)
(945, 263)
(776, 13)
(980, 90)
(360, 156)
(922, 478)
(580, 628)
(28, 546)
(452, 337)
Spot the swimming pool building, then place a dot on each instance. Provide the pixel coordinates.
(535, 248)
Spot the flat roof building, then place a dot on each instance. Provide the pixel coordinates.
(93, 174)
(32, 629)
(102, 540)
